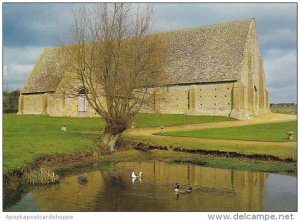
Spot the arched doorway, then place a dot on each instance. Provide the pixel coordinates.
(82, 101)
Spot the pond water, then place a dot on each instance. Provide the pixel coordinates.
(213, 190)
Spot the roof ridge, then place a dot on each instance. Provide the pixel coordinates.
(208, 26)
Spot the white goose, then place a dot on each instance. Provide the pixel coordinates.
(134, 176)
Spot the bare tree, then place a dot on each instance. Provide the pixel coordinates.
(116, 59)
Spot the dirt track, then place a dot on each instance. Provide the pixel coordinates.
(261, 119)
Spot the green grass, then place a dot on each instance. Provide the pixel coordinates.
(281, 152)
(43, 123)
(274, 132)
(226, 163)
(27, 137)
(157, 120)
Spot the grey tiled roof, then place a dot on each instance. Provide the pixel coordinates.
(46, 74)
(204, 54)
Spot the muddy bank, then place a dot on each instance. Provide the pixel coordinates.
(147, 147)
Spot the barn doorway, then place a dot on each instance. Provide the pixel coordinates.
(82, 101)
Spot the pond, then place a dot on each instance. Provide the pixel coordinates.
(111, 188)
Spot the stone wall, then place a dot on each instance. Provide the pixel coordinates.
(205, 99)
(215, 99)
(52, 104)
(200, 99)
(33, 104)
(63, 105)
(251, 96)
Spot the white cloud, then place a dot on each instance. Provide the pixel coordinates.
(181, 15)
(281, 74)
(17, 64)
(16, 71)
(280, 67)
(284, 94)
(24, 55)
(282, 36)
(14, 75)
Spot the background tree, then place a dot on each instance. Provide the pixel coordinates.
(116, 58)
(10, 100)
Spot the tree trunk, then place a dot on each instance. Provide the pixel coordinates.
(110, 140)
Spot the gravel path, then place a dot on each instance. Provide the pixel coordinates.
(261, 119)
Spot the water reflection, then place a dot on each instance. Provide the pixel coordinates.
(213, 190)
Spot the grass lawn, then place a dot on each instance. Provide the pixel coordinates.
(222, 162)
(281, 152)
(25, 137)
(274, 132)
(157, 120)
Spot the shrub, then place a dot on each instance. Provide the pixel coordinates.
(41, 176)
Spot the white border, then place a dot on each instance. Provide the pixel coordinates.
(124, 216)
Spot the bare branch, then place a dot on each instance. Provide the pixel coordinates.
(115, 58)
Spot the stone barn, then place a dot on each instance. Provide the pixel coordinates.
(211, 70)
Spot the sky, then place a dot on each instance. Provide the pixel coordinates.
(29, 28)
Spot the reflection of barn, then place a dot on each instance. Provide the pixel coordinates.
(219, 190)
(212, 70)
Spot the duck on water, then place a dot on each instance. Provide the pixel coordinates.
(182, 190)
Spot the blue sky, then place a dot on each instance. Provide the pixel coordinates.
(28, 28)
